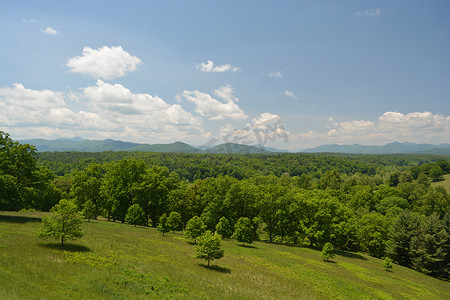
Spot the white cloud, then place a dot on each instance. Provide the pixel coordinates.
(116, 102)
(290, 94)
(214, 109)
(267, 128)
(22, 106)
(276, 74)
(416, 127)
(112, 111)
(49, 31)
(368, 13)
(210, 67)
(105, 62)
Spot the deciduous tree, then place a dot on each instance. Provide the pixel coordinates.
(195, 228)
(175, 222)
(163, 226)
(64, 223)
(327, 251)
(208, 247)
(243, 230)
(224, 228)
(135, 215)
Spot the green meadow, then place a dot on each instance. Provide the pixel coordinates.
(120, 261)
(445, 183)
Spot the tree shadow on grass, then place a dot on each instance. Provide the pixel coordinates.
(216, 268)
(247, 246)
(350, 255)
(330, 261)
(67, 247)
(18, 219)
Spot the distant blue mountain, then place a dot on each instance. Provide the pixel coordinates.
(79, 144)
(390, 148)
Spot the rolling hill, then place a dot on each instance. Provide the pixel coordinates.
(78, 144)
(120, 261)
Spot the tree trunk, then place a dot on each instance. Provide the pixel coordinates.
(208, 263)
(62, 241)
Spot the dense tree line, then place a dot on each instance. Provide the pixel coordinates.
(381, 205)
(242, 166)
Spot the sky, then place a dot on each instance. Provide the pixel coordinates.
(283, 74)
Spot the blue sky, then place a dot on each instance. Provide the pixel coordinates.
(294, 74)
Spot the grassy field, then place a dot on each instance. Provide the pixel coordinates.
(445, 183)
(117, 261)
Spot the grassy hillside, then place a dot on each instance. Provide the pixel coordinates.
(117, 261)
(445, 183)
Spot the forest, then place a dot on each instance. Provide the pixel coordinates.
(382, 205)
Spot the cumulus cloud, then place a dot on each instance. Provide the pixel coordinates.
(261, 130)
(112, 111)
(22, 106)
(276, 74)
(104, 63)
(49, 31)
(290, 94)
(210, 67)
(207, 106)
(368, 13)
(142, 110)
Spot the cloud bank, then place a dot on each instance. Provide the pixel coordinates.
(112, 111)
(416, 127)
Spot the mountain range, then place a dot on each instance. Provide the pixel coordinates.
(82, 145)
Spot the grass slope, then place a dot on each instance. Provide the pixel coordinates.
(117, 261)
(445, 183)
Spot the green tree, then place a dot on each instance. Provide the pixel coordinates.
(331, 180)
(175, 222)
(387, 263)
(208, 247)
(372, 231)
(243, 230)
(401, 233)
(64, 223)
(195, 228)
(135, 215)
(10, 198)
(436, 173)
(118, 186)
(163, 225)
(23, 184)
(86, 186)
(428, 249)
(224, 228)
(327, 251)
(89, 210)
